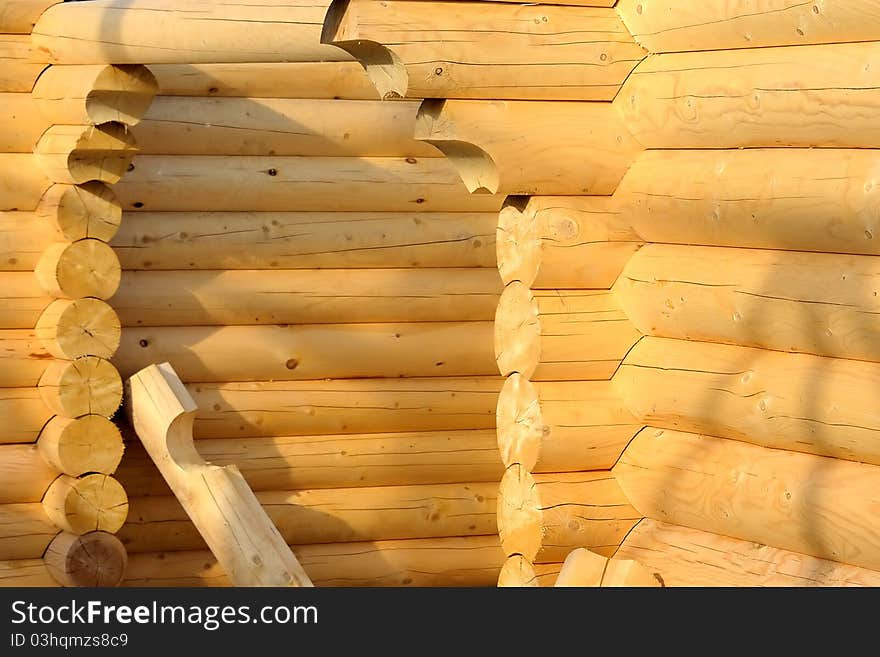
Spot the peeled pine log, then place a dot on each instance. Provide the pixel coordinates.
(24, 415)
(346, 80)
(187, 183)
(25, 572)
(21, 123)
(24, 300)
(76, 212)
(86, 268)
(456, 561)
(19, 16)
(747, 98)
(819, 506)
(76, 446)
(77, 154)
(280, 126)
(25, 531)
(181, 298)
(93, 559)
(544, 517)
(23, 359)
(355, 406)
(331, 516)
(672, 26)
(499, 51)
(19, 68)
(25, 476)
(823, 304)
(336, 461)
(94, 502)
(315, 351)
(518, 147)
(84, 386)
(305, 240)
(689, 557)
(23, 238)
(561, 335)
(580, 242)
(584, 568)
(562, 426)
(518, 572)
(790, 199)
(22, 182)
(70, 328)
(784, 401)
(96, 94)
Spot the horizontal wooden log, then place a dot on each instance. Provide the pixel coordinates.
(19, 68)
(22, 182)
(561, 335)
(562, 426)
(80, 387)
(86, 268)
(518, 147)
(19, 16)
(747, 98)
(24, 415)
(818, 506)
(23, 238)
(25, 531)
(77, 154)
(156, 31)
(791, 199)
(25, 572)
(580, 242)
(785, 401)
(823, 304)
(23, 359)
(24, 300)
(94, 502)
(544, 517)
(185, 183)
(71, 328)
(95, 94)
(499, 51)
(689, 557)
(21, 123)
(672, 26)
(305, 240)
(285, 408)
(331, 516)
(280, 126)
(459, 561)
(519, 572)
(190, 298)
(346, 80)
(313, 351)
(346, 461)
(76, 446)
(24, 475)
(92, 559)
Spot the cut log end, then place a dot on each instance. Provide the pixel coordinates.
(518, 245)
(69, 329)
(78, 154)
(93, 559)
(519, 515)
(90, 443)
(86, 268)
(519, 423)
(95, 502)
(76, 212)
(517, 572)
(517, 331)
(84, 386)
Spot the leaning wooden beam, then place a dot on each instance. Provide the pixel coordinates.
(280, 126)
(81, 153)
(305, 240)
(249, 183)
(580, 242)
(819, 506)
(499, 51)
(562, 426)
(785, 401)
(156, 31)
(544, 517)
(92, 559)
(25, 531)
(312, 351)
(561, 335)
(585, 568)
(520, 147)
(689, 557)
(19, 65)
(306, 296)
(519, 572)
(671, 26)
(22, 182)
(24, 475)
(217, 499)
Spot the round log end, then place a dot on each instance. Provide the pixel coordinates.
(121, 93)
(93, 559)
(84, 386)
(517, 331)
(80, 211)
(90, 443)
(517, 572)
(102, 153)
(518, 245)
(86, 268)
(71, 328)
(520, 427)
(519, 515)
(95, 502)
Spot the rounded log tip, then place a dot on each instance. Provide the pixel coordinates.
(80, 211)
(93, 559)
(71, 328)
(519, 423)
(519, 514)
(85, 386)
(85, 268)
(79, 154)
(518, 245)
(517, 572)
(95, 502)
(517, 331)
(76, 446)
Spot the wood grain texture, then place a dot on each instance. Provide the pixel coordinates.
(22, 182)
(19, 16)
(25, 531)
(24, 474)
(24, 415)
(19, 68)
